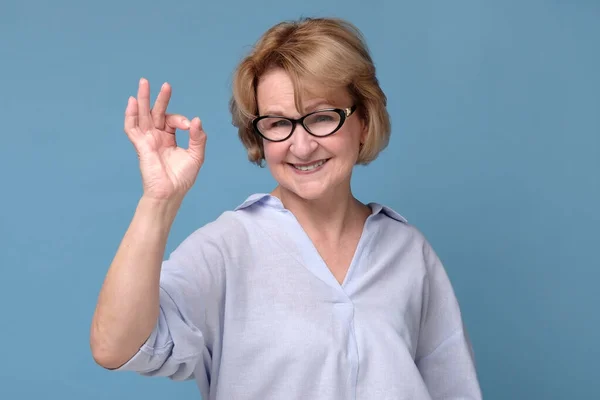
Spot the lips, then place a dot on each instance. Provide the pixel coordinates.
(309, 166)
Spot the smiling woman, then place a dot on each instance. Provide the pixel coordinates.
(314, 159)
(304, 292)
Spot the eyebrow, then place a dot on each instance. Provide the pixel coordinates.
(313, 107)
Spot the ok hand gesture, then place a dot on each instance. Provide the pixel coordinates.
(168, 171)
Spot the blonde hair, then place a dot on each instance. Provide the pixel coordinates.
(327, 53)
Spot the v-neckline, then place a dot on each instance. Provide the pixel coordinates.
(315, 263)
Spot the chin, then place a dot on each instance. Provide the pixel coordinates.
(310, 195)
(310, 192)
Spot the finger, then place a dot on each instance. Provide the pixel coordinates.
(131, 117)
(197, 143)
(143, 100)
(160, 106)
(176, 121)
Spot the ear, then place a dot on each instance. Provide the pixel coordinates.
(364, 132)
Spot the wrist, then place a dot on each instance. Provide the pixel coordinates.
(163, 209)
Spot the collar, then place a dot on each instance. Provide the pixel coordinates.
(261, 198)
(267, 200)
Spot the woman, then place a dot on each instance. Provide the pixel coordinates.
(301, 293)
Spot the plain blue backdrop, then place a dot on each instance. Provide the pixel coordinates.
(495, 156)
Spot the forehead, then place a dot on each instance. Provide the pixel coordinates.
(276, 93)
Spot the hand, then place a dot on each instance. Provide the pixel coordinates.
(167, 171)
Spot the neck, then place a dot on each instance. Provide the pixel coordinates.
(329, 218)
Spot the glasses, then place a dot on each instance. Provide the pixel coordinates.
(319, 123)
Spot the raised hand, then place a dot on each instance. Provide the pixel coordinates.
(167, 171)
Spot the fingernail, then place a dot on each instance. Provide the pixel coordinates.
(186, 123)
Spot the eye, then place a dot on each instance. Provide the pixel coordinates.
(324, 118)
(281, 122)
(274, 123)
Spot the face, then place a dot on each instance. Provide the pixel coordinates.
(304, 165)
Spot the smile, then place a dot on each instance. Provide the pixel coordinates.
(309, 167)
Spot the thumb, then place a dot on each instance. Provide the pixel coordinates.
(197, 143)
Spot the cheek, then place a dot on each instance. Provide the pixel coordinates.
(348, 142)
(274, 152)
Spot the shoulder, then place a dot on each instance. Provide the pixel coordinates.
(240, 223)
(231, 232)
(397, 234)
(393, 225)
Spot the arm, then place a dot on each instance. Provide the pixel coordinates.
(128, 304)
(444, 354)
(128, 308)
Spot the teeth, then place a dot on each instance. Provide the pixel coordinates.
(309, 167)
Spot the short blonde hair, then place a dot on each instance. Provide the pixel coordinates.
(327, 53)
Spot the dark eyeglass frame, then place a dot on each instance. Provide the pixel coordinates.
(344, 113)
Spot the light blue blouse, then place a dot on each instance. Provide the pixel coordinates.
(250, 311)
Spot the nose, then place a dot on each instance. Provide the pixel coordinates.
(302, 143)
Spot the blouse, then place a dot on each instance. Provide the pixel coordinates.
(249, 310)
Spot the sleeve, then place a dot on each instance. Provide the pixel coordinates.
(444, 353)
(191, 304)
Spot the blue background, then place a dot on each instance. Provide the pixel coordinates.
(495, 156)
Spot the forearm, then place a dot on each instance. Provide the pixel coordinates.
(128, 304)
